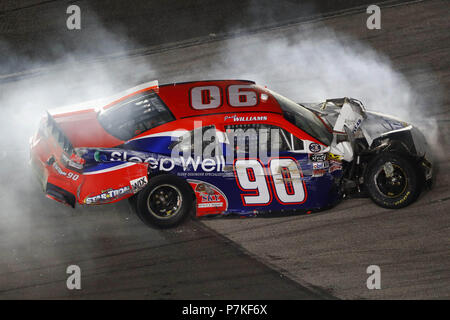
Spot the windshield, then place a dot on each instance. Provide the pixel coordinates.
(304, 119)
(135, 115)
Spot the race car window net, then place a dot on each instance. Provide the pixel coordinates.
(267, 138)
(135, 115)
(304, 119)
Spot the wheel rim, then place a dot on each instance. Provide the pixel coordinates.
(164, 201)
(391, 186)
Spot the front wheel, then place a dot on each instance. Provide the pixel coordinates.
(392, 181)
(165, 202)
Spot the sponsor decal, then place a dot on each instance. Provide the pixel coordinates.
(320, 165)
(204, 188)
(317, 157)
(402, 199)
(209, 198)
(334, 166)
(210, 205)
(334, 157)
(168, 164)
(71, 163)
(319, 172)
(138, 184)
(68, 175)
(58, 169)
(357, 124)
(108, 195)
(314, 147)
(163, 164)
(207, 165)
(245, 119)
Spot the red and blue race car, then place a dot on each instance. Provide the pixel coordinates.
(225, 147)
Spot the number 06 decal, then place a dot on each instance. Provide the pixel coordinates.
(206, 97)
(285, 178)
(210, 97)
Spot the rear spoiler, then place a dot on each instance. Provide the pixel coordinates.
(59, 135)
(69, 157)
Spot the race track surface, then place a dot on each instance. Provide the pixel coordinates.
(318, 256)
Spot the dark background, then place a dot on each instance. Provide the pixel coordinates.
(36, 29)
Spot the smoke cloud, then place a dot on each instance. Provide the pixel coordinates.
(313, 63)
(32, 231)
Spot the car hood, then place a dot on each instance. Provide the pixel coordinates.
(378, 124)
(350, 113)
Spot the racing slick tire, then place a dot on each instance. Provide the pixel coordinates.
(165, 202)
(392, 181)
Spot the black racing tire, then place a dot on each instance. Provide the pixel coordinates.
(165, 202)
(397, 191)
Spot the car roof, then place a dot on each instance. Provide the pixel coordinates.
(177, 97)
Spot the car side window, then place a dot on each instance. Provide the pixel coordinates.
(296, 143)
(135, 115)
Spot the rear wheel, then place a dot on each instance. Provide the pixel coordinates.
(165, 202)
(392, 181)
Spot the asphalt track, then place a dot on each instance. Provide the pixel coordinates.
(319, 256)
